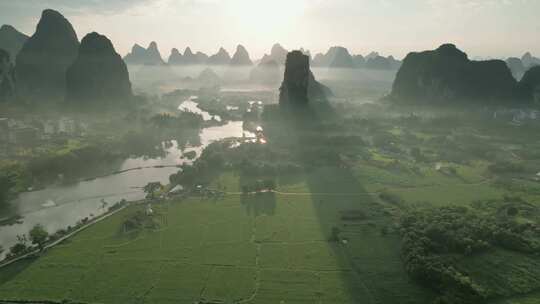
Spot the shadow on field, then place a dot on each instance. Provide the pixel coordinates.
(342, 204)
(259, 204)
(330, 211)
(11, 271)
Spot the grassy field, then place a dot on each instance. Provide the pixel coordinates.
(281, 247)
(271, 248)
(260, 249)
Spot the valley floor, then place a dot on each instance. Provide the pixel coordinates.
(332, 231)
(266, 248)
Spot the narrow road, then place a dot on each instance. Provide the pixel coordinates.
(482, 182)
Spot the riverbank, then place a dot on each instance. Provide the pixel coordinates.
(260, 240)
(63, 205)
(36, 251)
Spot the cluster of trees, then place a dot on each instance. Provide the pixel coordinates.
(249, 159)
(151, 188)
(69, 163)
(210, 163)
(506, 167)
(145, 142)
(7, 182)
(216, 106)
(259, 185)
(386, 141)
(139, 220)
(38, 236)
(183, 120)
(417, 155)
(391, 198)
(255, 167)
(430, 237)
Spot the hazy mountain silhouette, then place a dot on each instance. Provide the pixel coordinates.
(98, 74)
(209, 78)
(7, 77)
(265, 58)
(447, 74)
(529, 86)
(278, 54)
(267, 73)
(299, 86)
(43, 60)
(153, 54)
(136, 56)
(190, 58)
(341, 58)
(201, 58)
(241, 57)
(382, 63)
(306, 52)
(326, 60)
(372, 55)
(319, 60)
(516, 66)
(175, 58)
(11, 40)
(359, 61)
(529, 60)
(142, 56)
(222, 57)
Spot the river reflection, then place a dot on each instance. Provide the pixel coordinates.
(57, 207)
(191, 105)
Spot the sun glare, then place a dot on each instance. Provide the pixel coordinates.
(266, 17)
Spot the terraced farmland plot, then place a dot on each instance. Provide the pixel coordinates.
(221, 251)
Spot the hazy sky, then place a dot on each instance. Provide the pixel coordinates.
(483, 28)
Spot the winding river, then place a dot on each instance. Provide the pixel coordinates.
(57, 207)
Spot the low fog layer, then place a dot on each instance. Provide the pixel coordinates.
(288, 176)
(162, 79)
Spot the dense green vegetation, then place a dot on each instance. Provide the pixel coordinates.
(7, 182)
(389, 181)
(258, 249)
(370, 203)
(109, 138)
(439, 243)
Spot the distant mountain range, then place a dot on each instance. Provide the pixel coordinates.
(188, 58)
(335, 57)
(152, 56)
(222, 57)
(53, 65)
(519, 66)
(340, 57)
(148, 56)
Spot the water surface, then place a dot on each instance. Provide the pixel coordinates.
(60, 206)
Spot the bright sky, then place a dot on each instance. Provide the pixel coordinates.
(482, 28)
